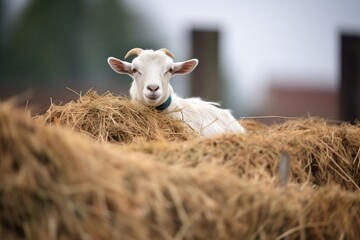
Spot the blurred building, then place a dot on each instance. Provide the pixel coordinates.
(285, 101)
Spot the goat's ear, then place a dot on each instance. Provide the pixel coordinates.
(185, 67)
(119, 66)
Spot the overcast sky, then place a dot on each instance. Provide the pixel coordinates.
(262, 42)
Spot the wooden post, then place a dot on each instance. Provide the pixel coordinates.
(205, 81)
(350, 78)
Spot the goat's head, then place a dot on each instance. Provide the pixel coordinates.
(151, 72)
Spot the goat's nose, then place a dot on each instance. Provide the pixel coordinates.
(153, 87)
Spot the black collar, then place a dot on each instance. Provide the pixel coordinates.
(164, 105)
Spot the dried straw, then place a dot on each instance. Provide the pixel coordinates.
(55, 184)
(112, 118)
(320, 153)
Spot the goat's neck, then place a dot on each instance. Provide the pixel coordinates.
(173, 103)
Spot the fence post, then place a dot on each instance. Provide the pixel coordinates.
(205, 80)
(349, 94)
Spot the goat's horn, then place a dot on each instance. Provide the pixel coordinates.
(167, 52)
(134, 51)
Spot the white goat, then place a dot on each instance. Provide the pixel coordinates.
(151, 72)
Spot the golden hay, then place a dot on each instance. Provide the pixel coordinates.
(55, 184)
(116, 119)
(320, 153)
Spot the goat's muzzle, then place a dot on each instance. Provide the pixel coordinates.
(153, 87)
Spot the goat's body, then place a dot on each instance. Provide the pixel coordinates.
(152, 71)
(203, 117)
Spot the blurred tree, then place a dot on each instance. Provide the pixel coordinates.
(58, 42)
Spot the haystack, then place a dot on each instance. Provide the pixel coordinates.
(113, 118)
(320, 153)
(55, 184)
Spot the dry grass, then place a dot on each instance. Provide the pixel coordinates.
(112, 118)
(320, 153)
(165, 184)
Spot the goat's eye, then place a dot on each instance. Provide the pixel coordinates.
(135, 70)
(170, 71)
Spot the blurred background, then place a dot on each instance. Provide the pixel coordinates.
(277, 58)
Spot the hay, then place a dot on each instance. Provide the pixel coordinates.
(58, 185)
(112, 118)
(320, 153)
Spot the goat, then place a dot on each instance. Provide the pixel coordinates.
(151, 72)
